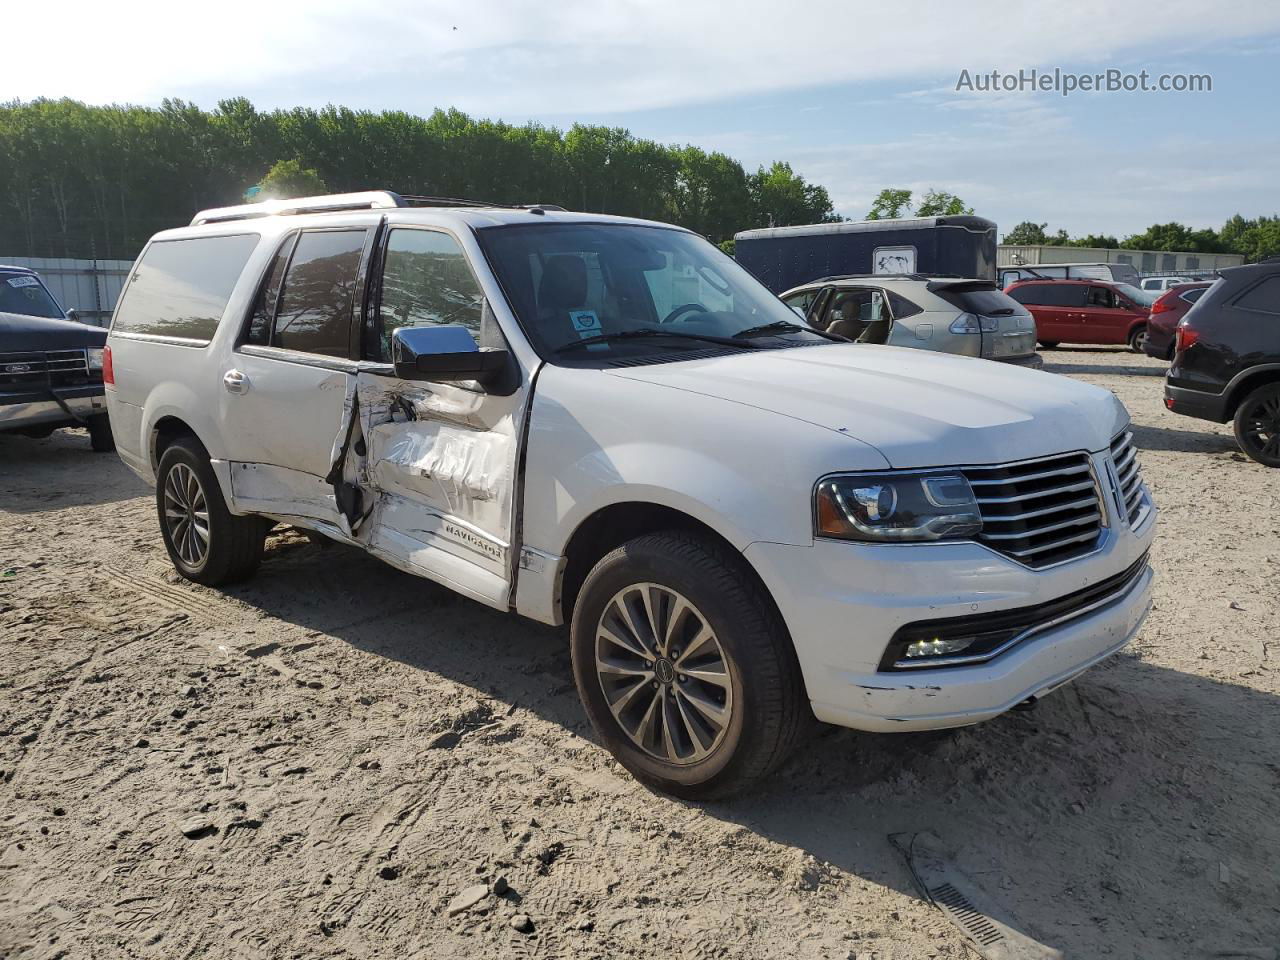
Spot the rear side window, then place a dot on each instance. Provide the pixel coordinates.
(318, 293)
(1050, 294)
(1191, 296)
(980, 298)
(180, 288)
(1263, 297)
(901, 307)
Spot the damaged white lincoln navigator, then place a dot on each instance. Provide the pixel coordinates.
(609, 423)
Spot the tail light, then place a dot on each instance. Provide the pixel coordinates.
(1161, 306)
(108, 371)
(1184, 336)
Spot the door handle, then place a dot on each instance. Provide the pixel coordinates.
(235, 382)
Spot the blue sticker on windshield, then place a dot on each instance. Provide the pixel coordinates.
(585, 322)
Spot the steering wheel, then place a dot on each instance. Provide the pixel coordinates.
(682, 309)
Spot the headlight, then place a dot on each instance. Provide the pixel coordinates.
(893, 507)
(970, 323)
(95, 358)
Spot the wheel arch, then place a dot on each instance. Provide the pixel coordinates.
(1247, 382)
(613, 525)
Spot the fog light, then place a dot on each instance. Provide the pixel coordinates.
(937, 647)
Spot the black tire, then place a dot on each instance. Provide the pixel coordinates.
(100, 438)
(1138, 337)
(1049, 344)
(234, 547)
(1257, 425)
(770, 708)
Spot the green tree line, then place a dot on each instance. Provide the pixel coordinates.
(1256, 238)
(97, 181)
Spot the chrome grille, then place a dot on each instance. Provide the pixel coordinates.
(1128, 475)
(1039, 512)
(38, 370)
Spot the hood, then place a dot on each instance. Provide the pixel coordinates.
(918, 408)
(20, 333)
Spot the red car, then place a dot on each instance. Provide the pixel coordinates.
(1168, 309)
(1085, 311)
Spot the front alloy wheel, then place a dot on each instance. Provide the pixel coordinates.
(684, 665)
(1257, 425)
(663, 673)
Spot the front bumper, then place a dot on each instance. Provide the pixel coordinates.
(842, 602)
(17, 412)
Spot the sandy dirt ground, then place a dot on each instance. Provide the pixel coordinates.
(350, 749)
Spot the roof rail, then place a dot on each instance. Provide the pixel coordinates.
(368, 200)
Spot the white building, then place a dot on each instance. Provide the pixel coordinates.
(1144, 261)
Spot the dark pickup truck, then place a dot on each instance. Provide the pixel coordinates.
(50, 366)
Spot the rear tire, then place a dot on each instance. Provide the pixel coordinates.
(1049, 344)
(1257, 425)
(100, 438)
(1138, 338)
(206, 543)
(705, 721)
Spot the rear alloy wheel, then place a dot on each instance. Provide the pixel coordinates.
(1138, 339)
(205, 541)
(684, 666)
(1257, 425)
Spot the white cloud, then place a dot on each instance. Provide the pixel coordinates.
(521, 57)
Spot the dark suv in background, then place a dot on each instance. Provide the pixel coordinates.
(1226, 363)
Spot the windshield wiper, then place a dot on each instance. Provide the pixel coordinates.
(644, 332)
(786, 326)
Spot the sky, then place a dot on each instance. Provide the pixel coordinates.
(857, 96)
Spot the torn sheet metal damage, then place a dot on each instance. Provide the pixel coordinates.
(434, 470)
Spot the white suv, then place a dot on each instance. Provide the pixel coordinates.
(607, 422)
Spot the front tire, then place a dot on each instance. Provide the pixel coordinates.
(1138, 338)
(684, 666)
(100, 438)
(1257, 425)
(206, 543)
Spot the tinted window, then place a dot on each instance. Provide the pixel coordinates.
(264, 308)
(1191, 296)
(180, 288)
(1050, 294)
(901, 306)
(319, 292)
(23, 293)
(981, 298)
(1263, 297)
(1101, 297)
(426, 281)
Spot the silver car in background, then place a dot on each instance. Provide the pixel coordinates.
(967, 317)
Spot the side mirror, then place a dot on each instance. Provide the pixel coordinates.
(443, 355)
(73, 314)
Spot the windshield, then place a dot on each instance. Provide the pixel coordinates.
(25, 294)
(574, 281)
(1143, 298)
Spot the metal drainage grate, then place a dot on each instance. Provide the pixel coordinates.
(965, 915)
